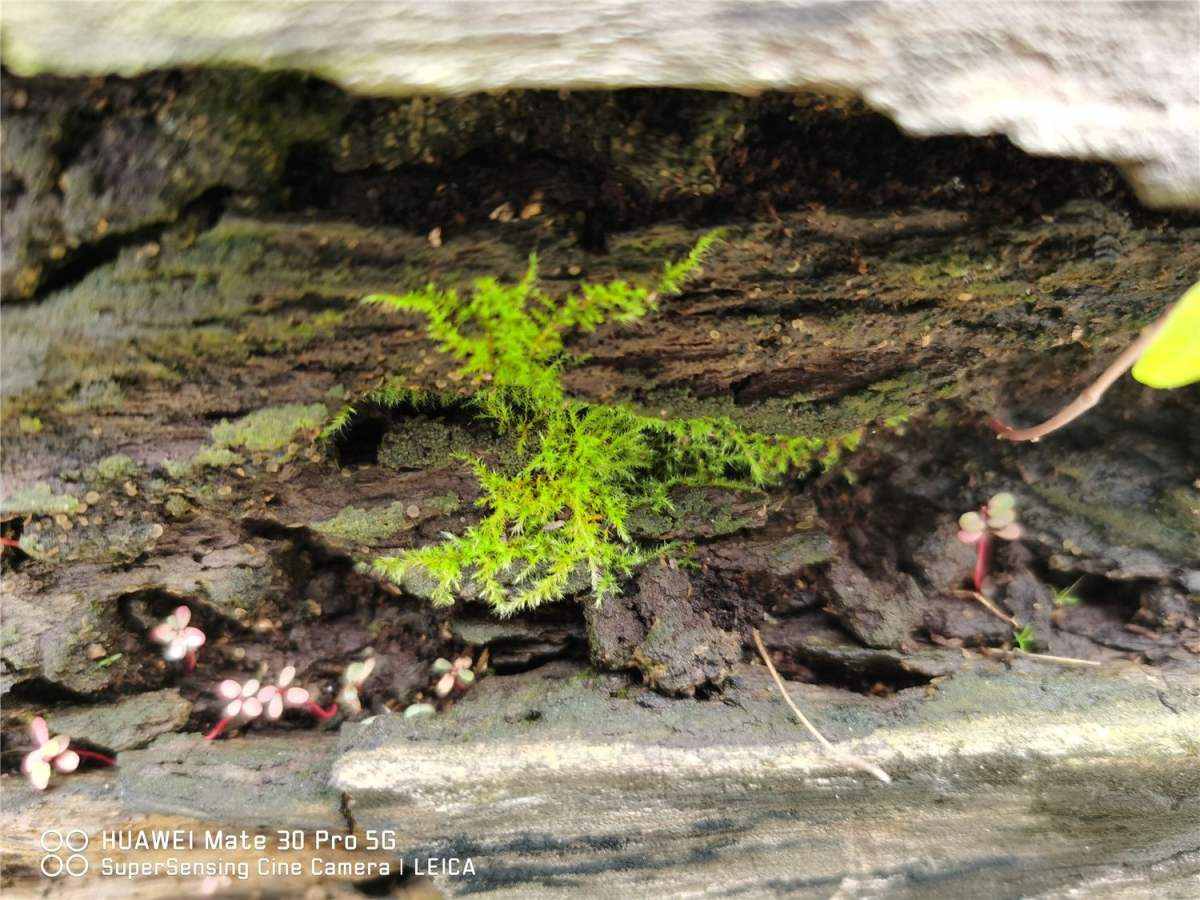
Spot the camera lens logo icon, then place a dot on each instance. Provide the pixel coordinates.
(64, 853)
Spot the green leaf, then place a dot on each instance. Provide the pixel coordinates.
(1173, 357)
(1025, 639)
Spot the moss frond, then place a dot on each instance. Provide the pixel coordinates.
(339, 423)
(676, 274)
(558, 523)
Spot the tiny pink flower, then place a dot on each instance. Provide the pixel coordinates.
(998, 517)
(177, 636)
(244, 699)
(50, 754)
(454, 674)
(276, 697)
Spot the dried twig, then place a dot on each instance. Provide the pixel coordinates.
(848, 758)
(989, 606)
(1092, 394)
(1044, 657)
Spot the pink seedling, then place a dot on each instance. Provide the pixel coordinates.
(252, 699)
(179, 640)
(52, 754)
(282, 695)
(996, 519)
(455, 674)
(243, 704)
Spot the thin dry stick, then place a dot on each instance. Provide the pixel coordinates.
(848, 758)
(989, 606)
(1092, 394)
(1045, 657)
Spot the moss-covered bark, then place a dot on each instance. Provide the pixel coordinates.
(867, 282)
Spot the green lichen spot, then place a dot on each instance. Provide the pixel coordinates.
(38, 500)
(354, 525)
(216, 458)
(444, 503)
(177, 506)
(269, 429)
(117, 467)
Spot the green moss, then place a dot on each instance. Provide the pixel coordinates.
(1166, 525)
(444, 503)
(390, 394)
(355, 525)
(704, 511)
(561, 516)
(274, 336)
(30, 425)
(216, 458)
(419, 442)
(268, 429)
(39, 500)
(891, 400)
(177, 506)
(117, 467)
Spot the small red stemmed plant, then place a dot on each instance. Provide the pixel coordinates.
(995, 519)
(455, 675)
(179, 639)
(282, 695)
(249, 700)
(53, 754)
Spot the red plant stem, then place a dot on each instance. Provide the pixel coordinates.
(95, 757)
(983, 548)
(1092, 394)
(218, 728)
(189, 661)
(9, 542)
(322, 714)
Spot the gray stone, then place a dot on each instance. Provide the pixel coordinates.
(657, 631)
(1191, 581)
(598, 793)
(879, 616)
(47, 638)
(250, 780)
(125, 725)
(819, 643)
(524, 640)
(559, 782)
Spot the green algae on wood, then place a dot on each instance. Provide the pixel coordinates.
(355, 525)
(38, 499)
(116, 468)
(272, 428)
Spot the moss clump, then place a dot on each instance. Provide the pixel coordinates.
(355, 525)
(564, 509)
(177, 506)
(269, 429)
(216, 458)
(444, 504)
(705, 512)
(116, 468)
(38, 500)
(423, 443)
